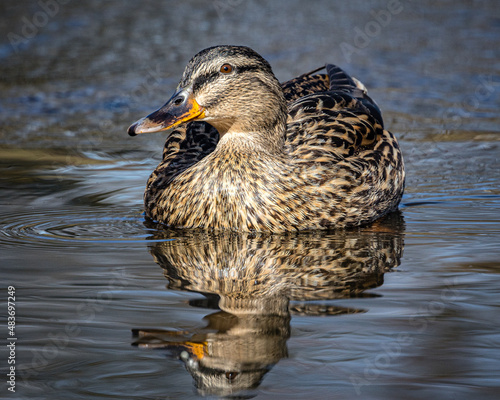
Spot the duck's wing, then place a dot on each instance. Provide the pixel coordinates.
(304, 85)
(184, 147)
(333, 124)
(341, 82)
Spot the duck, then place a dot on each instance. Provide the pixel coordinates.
(247, 153)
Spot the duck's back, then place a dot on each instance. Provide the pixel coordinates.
(330, 116)
(335, 129)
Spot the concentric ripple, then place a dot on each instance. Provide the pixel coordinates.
(50, 227)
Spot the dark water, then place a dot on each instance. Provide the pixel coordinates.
(108, 306)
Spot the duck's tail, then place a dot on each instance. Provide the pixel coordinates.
(340, 81)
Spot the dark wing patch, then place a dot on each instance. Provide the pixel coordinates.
(334, 124)
(330, 124)
(304, 85)
(184, 147)
(340, 81)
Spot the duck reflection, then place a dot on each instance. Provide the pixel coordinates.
(257, 282)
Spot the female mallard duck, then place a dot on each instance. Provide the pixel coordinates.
(311, 153)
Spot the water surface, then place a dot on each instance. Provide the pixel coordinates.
(110, 306)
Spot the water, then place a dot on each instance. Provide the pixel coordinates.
(109, 306)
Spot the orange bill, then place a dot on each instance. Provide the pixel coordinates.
(181, 108)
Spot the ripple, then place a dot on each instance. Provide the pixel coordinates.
(49, 227)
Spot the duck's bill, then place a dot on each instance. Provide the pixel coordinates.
(181, 108)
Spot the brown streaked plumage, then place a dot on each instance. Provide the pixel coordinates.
(311, 153)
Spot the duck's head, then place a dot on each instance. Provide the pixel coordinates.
(231, 87)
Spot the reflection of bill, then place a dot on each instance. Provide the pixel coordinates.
(257, 282)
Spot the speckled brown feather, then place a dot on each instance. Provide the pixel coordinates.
(304, 85)
(338, 167)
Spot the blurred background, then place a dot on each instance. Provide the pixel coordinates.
(75, 74)
(79, 70)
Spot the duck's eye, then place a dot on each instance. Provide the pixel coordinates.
(226, 68)
(231, 375)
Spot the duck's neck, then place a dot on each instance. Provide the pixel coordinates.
(251, 142)
(255, 135)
